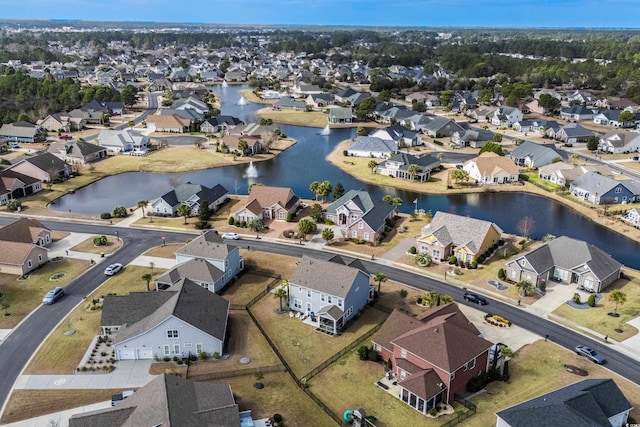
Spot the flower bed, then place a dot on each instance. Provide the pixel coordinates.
(496, 320)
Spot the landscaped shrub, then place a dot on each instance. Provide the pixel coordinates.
(413, 250)
(105, 215)
(166, 359)
(345, 153)
(216, 355)
(100, 240)
(363, 352)
(453, 259)
(289, 217)
(277, 418)
(591, 301)
(576, 298)
(231, 220)
(119, 212)
(419, 300)
(433, 412)
(203, 355)
(543, 286)
(501, 274)
(474, 264)
(202, 225)
(403, 293)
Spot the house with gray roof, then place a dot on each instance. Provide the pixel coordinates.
(77, 152)
(454, 235)
(371, 146)
(184, 319)
(126, 141)
(168, 400)
(197, 270)
(572, 133)
(534, 155)
(360, 216)
(20, 132)
(289, 103)
(192, 195)
(329, 292)
(340, 115)
(506, 116)
(45, 167)
(619, 141)
(439, 127)
(398, 134)
(598, 189)
(398, 165)
(566, 260)
(592, 402)
(475, 138)
(577, 113)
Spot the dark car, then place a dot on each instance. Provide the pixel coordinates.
(590, 354)
(475, 298)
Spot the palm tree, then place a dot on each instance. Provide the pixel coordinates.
(379, 277)
(440, 156)
(396, 202)
(430, 297)
(143, 205)
(184, 210)
(256, 225)
(617, 297)
(282, 291)
(372, 165)
(387, 198)
(525, 287)
(574, 159)
(423, 259)
(315, 187)
(147, 277)
(413, 171)
(327, 234)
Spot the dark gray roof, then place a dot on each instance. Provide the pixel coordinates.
(47, 162)
(196, 269)
(595, 183)
(427, 162)
(576, 130)
(355, 262)
(168, 400)
(586, 403)
(458, 230)
(374, 213)
(569, 254)
(539, 153)
(324, 276)
(373, 144)
(207, 245)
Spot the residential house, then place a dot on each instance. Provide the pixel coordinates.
(23, 246)
(14, 185)
(619, 141)
(77, 152)
(302, 90)
(482, 113)
(220, 123)
(522, 126)
(584, 98)
(433, 356)
(164, 400)
(610, 118)
(369, 146)
(331, 293)
(453, 235)
(592, 402)
(534, 155)
(254, 144)
(566, 260)
(398, 134)
(173, 123)
(20, 132)
(319, 100)
(198, 270)
(398, 165)
(210, 247)
(506, 116)
(290, 104)
(440, 127)
(268, 203)
(183, 319)
(563, 173)
(573, 133)
(44, 167)
(597, 189)
(62, 122)
(340, 115)
(192, 195)
(127, 141)
(475, 138)
(633, 217)
(490, 168)
(577, 113)
(360, 216)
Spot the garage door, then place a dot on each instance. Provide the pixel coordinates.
(126, 354)
(145, 353)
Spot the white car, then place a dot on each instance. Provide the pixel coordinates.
(230, 236)
(113, 269)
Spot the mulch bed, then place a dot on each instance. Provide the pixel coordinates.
(576, 370)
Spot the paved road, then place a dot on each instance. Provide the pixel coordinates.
(152, 106)
(24, 341)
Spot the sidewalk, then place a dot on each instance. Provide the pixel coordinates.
(61, 418)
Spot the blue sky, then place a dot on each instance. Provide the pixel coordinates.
(477, 13)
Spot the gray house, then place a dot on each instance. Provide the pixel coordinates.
(398, 166)
(184, 319)
(593, 402)
(566, 260)
(598, 189)
(370, 146)
(329, 292)
(197, 270)
(20, 131)
(192, 195)
(534, 155)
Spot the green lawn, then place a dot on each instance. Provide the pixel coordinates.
(21, 297)
(545, 185)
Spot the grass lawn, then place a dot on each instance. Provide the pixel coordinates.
(270, 263)
(538, 369)
(166, 251)
(23, 296)
(349, 383)
(302, 346)
(25, 404)
(112, 245)
(247, 287)
(545, 185)
(61, 354)
(314, 119)
(597, 319)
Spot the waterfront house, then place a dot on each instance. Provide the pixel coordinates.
(530, 154)
(598, 189)
(398, 165)
(77, 152)
(126, 141)
(44, 167)
(268, 203)
(370, 146)
(490, 168)
(192, 195)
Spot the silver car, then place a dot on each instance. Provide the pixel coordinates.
(53, 295)
(590, 354)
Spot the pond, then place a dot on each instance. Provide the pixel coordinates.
(304, 163)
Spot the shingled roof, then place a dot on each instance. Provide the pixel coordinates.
(207, 245)
(24, 230)
(325, 276)
(458, 230)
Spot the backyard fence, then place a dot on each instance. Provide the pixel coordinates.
(276, 280)
(237, 373)
(460, 416)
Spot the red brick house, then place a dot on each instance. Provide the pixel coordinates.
(433, 355)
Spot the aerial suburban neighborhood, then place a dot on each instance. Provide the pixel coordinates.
(222, 225)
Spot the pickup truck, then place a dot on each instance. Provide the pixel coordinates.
(121, 396)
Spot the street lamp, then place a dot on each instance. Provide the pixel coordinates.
(117, 238)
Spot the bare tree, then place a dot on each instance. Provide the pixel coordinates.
(525, 227)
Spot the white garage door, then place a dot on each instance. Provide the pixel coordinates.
(126, 354)
(145, 353)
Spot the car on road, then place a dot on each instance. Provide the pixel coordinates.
(459, 166)
(66, 137)
(230, 236)
(15, 145)
(475, 298)
(113, 269)
(589, 353)
(53, 295)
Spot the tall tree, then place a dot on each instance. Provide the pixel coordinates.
(379, 277)
(372, 165)
(459, 175)
(525, 287)
(315, 187)
(324, 189)
(147, 277)
(142, 204)
(413, 170)
(626, 118)
(525, 227)
(184, 210)
(282, 291)
(306, 226)
(256, 225)
(328, 235)
(617, 297)
(338, 191)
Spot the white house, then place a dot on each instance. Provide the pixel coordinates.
(127, 141)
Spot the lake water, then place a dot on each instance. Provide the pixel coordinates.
(304, 163)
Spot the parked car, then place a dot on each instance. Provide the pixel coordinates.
(230, 236)
(121, 396)
(475, 298)
(591, 354)
(66, 137)
(53, 295)
(113, 269)
(15, 145)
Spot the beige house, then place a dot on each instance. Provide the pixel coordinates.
(173, 123)
(490, 168)
(23, 246)
(268, 203)
(465, 238)
(61, 122)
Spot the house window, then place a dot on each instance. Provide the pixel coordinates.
(453, 375)
(349, 311)
(403, 375)
(308, 293)
(513, 274)
(39, 258)
(354, 234)
(172, 333)
(353, 218)
(29, 264)
(360, 225)
(366, 236)
(436, 253)
(329, 299)
(176, 349)
(618, 190)
(167, 350)
(297, 304)
(403, 353)
(322, 297)
(472, 363)
(339, 302)
(46, 238)
(464, 368)
(199, 348)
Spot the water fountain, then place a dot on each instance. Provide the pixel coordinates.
(243, 101)
(224, 83)
(252, 171)
(326, 130)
